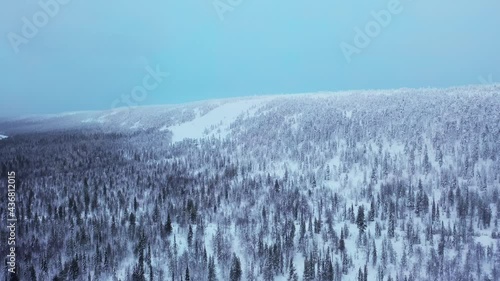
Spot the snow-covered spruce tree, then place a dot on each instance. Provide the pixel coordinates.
(236, 271)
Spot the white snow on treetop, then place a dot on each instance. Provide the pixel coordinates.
(216, 118)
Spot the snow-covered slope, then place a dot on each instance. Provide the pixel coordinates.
(214, 117)
(3, 137)
(368, 185)
(217, 121)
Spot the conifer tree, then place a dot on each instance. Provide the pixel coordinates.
(168, 226)
(187, 278)
(292, 274)
(235, 272)
(360, 220)
(211, 269)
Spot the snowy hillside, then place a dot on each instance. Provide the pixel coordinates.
(367, 185)
(212, 118)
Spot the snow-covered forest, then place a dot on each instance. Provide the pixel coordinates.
(372, 185)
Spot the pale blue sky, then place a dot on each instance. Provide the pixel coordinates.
(93, 52)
